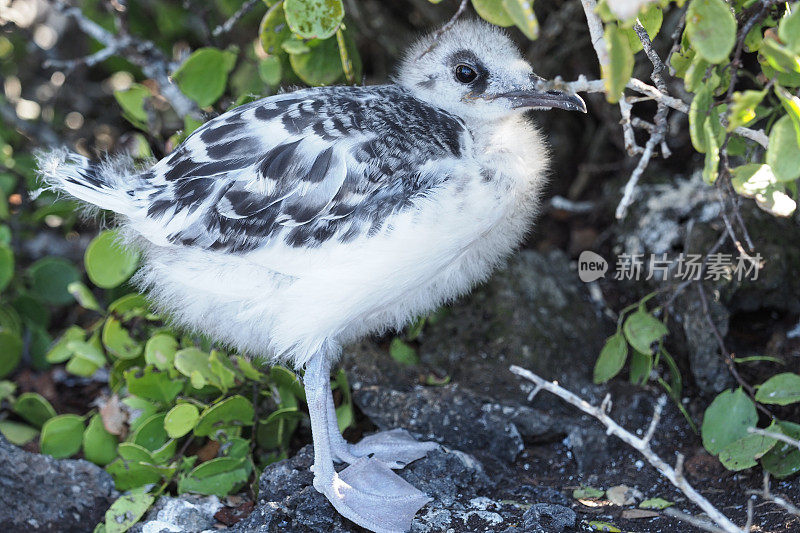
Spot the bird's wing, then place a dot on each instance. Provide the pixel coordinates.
(303, 168)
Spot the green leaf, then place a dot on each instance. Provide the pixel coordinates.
(759, 182)
(269, 70)
(160, 351)
(743, 108)
(235, 411)
(791, 104)
(285, 378)
(608, 527)
(141, 410)
(99, 446)
(655, 503)
(62, 436)
(784, 459)
(107, 262)
(88, 352)
(782, 389)
(180, 420)
(783, 153)
(84, 296)
(521, 12)
(50, 277)
(129, 303)
(34, 408)
(779, 57)
(128, 475)
(743, 453)
(493, 12)
(642, 330)
(133, 452)
(10, 320)
(620, 67)
(7, 389)
(640, 368)
(204, 75)
(789, 29)
(151, 434)
(587, 493)
(651, 19)
(10, 352)
(132, 101)
(60, 351)
(321, 65)
(711, 28)
(711, 163)
(612, 358)
(726, 420)
(16, 433)
(152, 384)
(127, 510)
(218, 476)
(274, 30)
(314, 19)
(403, 353)
(118, 341)
(247, 369)
(6, 266)
(698, 113)
(222, 370)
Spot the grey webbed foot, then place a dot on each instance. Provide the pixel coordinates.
(371, 495)
(395, 448)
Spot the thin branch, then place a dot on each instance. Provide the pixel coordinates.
(777, 436)
(777, 500)
(441, 31)
(228, 25)
(144, 54)
(642, 445)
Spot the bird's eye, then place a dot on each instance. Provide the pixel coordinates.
(465, 74)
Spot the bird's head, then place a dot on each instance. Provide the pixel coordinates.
(474, 71)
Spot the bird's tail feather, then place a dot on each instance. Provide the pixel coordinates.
(108, 184)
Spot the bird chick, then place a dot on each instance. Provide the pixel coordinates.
(295, 224)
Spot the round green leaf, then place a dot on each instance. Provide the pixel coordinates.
(493, 12)
(612, 358)
(651, 19)
(711, 28)
(322, 65)
(743, 453)
(274, 30)
(6, 265)
(783, 153)
(34, 408)
(10, 352)
(642, 329)
(727, 419)
(99, 446)
(160, 351)
(129, 475)
(50, 277)
(789, 30)
(180, 420)
(118, 341)
(151, 384)
(107, 262)
(314, 19)
(204, 75)
(127, 510)
(269, 70)
(16, 433)
(784, 459)
(402, 352)
(151, 435)
(62, 436)
(10, 320)
(233, 411)
(218, 476)
(782, 389)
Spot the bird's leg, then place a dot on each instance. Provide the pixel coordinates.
(395, 448)
(366, 492)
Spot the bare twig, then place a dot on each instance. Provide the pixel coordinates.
(777, 436)
(228, 25)
(642, 445)
(699, 523)
(780, 501)
(441, 31)
(564, 204)
(144, 54)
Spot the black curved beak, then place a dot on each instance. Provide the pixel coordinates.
(536, 99)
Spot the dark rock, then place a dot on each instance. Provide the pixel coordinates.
(445, 414)
(589, 446)
(548, 518)
(465, 498)
(40, 493)
(187, 512)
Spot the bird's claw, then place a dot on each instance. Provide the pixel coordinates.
(395, 448)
